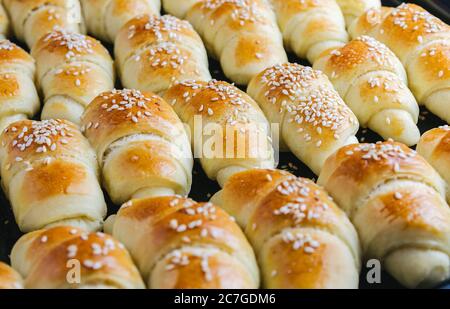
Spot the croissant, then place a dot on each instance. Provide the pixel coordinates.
(49, 174)
(422, 43)
(434, 146)
(301, 238)
(352, 9)
(72, 69)
(9, 278)
(154, 52)
(242, 34)
(396, 201)
(71, 258)
(229, 132)
(104, 18)
(18, 96)
(373, 82)
(32, 19)
(310, 27)
(313, 120)
(178, 8)
(4, 23)
(141, 145)
(180, 244)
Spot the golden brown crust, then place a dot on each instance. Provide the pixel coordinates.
(60, 47)
(361, 168)
(34, 18)
(9, 278)
(13, 56)
(314, 120)
(218, 103)
(155, 52)
(119, 113)
(290, 217)
(176, 231)
(103, 261)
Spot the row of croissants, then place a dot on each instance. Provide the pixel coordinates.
(266, 227)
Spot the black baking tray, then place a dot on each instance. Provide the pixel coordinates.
(203, 188)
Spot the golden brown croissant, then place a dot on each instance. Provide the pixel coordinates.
(373, 83)
(314, 121)
(301, 238)
(32, 19)
(49, 174)
(229, 132)
(155, 52)
(243, 35)
(71, 258)
(180, 244)
(396, 201)
(422, 43)
(72, 69)
(141, 145)
(18, 96)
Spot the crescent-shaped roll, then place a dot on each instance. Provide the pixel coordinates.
(229, 132)
(178, 8)
(310, 27)
(242, 34)
(104, 18)
(352, 9)
(435, 147)
(9, 278)
(300, 237)
(422, 43)
(396, 201)
(49, 174)
(71, 258)
(313, 120)
(373, 83)
(155, 52)
(180, 244)
(72, 69)
(32, 19)
(4, 23)
(18, 95)
(141, 145)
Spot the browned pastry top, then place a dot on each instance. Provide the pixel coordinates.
(97, 253)
(28, 139)
(10, 52)
(9, 278)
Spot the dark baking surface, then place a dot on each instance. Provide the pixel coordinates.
(203, 188)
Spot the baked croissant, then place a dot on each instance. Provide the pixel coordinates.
(49, 174)
(104, 18)
(178, 8)
(373, 83)
(180, 244)
(396, 201)
(71, 258)
(72, 69)
(422, 43)
(32, 19)
(310, 27)
(141, 145)
(18, 96)
(229, 132)
(313, 120)
(154, 52)
(352, 9)
(434, 146)
(4, 23)
(301, 238)
(9, 278)
(242, 34)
